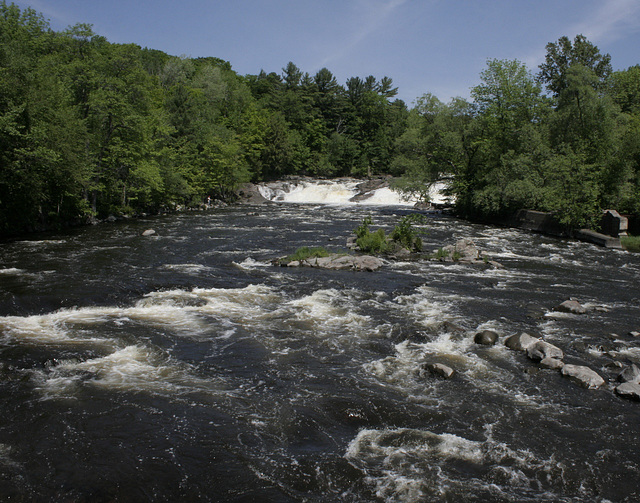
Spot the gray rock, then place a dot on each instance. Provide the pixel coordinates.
(149, 232)
(440, 369)
(552, 363)
(583, 376)
(248, 193)
(520, 342)
(465, 249)
(540, 350)
(615, 365)
(630, 374)
(571, 306)
(486, 338)
(629, 390)
(340, 262)
(634, 334)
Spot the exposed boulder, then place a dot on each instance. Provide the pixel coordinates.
(368, 188)
(571, 306)
(338, 262)
(552, 363)
(630, 374)
(540, 350)
(149, 232)
(464, 249)
(486, 338)
(629, 390)
(584, 376)
(440, 370)
(248, 193)
(520, 342)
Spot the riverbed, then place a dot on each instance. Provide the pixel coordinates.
(184, 366)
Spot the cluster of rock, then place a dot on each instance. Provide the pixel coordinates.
(337, 262)
(549, 356)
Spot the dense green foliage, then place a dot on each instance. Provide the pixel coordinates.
(573, 150)
(89, 128)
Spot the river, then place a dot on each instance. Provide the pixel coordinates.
(183, 366)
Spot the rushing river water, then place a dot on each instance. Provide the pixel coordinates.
(185, 367)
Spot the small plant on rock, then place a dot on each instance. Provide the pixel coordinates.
(305, 253)
(403, 236)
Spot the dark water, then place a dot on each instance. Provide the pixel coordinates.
(184, 367)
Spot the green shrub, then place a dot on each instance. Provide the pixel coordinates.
(373, 242)
(404, 235)
(441, 254)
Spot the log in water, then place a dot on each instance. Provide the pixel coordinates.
(183, 366)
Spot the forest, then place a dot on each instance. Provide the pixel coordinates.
(90, 128)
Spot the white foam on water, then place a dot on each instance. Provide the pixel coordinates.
(413, 465)
(336, 192)
(5, 457)
(387, 197)
(187, 268)
(12, 271)
(251, 304)
(52, 327)
(177, 310)
(395, 460)
(132, 368)
(426, 307)
(329, 309)
(250, 264)
(332, 317)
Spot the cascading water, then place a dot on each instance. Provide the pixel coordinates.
(183, 366)
(343, 192)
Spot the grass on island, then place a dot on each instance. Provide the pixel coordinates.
(305, 253)
(631, 243)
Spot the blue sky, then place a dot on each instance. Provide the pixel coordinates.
(435, 46)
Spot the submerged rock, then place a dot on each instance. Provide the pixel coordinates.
(440, 369)
(630, 374)
(571, 306)
(540, 350)
(486, 338)
(520, 342)
(584, 376)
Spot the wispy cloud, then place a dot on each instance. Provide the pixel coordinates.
(49, 12)
(611, 21)
(370, 17)
(614, 19)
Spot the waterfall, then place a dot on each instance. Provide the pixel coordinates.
(341, 192)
